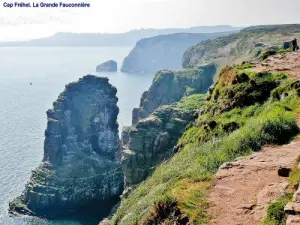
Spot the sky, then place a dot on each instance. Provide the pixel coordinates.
(117, 16)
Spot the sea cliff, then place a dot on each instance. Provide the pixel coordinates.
(163, 51)
(80, 168)
(171, 86)
(151, 141)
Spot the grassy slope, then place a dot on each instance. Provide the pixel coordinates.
(193, 80)
(240, 116)
(170, 87)
(239, 47)
(192, 102)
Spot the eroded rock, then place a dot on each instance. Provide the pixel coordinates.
(80, 170)
(151, 141)
(171, 86)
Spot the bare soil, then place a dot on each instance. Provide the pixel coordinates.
(243, 189)
(286, 63)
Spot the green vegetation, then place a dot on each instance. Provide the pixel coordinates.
(231, 105)
(294, 178)
(169, 87)
(267, 54)
(244, 65)
(247, 45)
(275, 211)
(192, 102)
(240, 116)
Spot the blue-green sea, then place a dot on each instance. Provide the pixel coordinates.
(23, 108)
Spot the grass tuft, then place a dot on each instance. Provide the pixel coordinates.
(218, 136)
(275, 211)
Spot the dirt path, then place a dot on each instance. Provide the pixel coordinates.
(244, 188)
(287, 63)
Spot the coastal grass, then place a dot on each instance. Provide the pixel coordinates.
(294, 178)
(196, 165)
(218, 137)
(275, 211)
(192, 102)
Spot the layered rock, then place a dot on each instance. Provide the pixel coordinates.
(108, 66)
(170, 86)
(151, 141)
(80, 169)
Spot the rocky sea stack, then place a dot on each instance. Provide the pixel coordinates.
(80, 169)
(108, 66)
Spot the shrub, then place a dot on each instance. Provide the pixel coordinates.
(267, 54)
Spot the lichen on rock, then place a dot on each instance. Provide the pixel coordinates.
(80, 168)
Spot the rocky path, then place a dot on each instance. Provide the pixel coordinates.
(287, 63)
(244, 188)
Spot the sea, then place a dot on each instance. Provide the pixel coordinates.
(31, 78)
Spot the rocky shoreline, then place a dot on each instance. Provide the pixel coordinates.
(86, 166)
(80, 168)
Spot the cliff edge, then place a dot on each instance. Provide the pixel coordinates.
(162, 52)
(246, 111)
(80, 171)
(171, 86)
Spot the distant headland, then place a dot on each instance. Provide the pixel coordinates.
(130, 38)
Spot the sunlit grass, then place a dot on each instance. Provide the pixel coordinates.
(187, 177)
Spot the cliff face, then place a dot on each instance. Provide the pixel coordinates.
(151, 141)
(170, 86)
(80, 166)
(248, 108)
(162, 52)
(165, 110)
(247, 45)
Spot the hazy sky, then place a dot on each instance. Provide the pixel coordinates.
(123, 15)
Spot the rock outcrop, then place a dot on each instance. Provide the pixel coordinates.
(162, 52)
(80, 171)
(170, 86)
(151, 141)
(109, 66)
